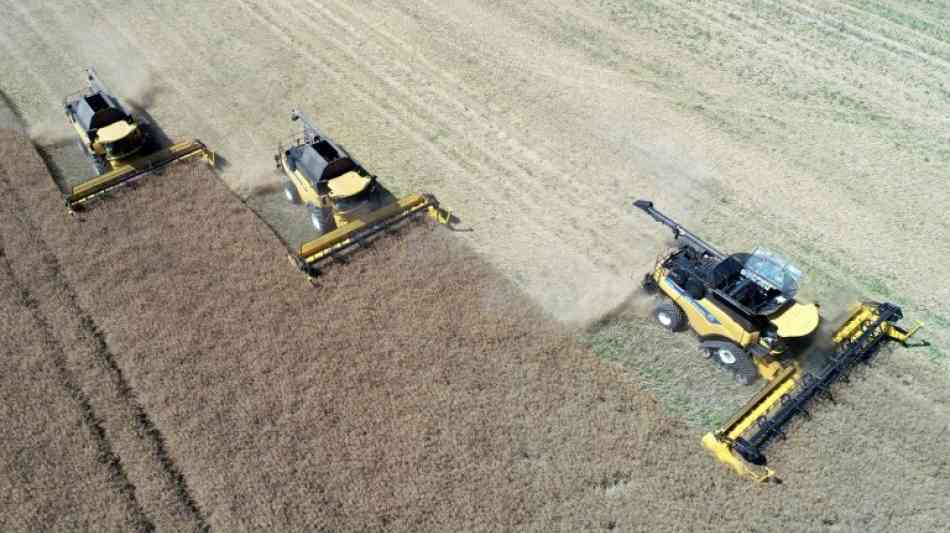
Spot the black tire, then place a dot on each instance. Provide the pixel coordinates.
(290, 193)
(669, 315)
(649, 284)
(737, 361)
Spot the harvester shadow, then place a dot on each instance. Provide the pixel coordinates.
(221, 162)
(53, 166)
(386, 197)
(266, 188)
(453, 222)
(156, 133)
(922, 344)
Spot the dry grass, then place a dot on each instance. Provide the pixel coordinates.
(413, 390)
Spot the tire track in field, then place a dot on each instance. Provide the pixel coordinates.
(941, 46)
(740, 31)
(122, 416)
(872, 82)
(90, 419)
(862, 19)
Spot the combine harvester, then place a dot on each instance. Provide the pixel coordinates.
(120, 147)
(344, 200)
(743, 308)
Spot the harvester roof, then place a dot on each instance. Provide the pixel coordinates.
(97, 110)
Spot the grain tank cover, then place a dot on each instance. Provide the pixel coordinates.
(321, 161)
(97, 110)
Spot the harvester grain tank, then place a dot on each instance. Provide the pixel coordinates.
(743, 308)
(345, 201)
(119, 146)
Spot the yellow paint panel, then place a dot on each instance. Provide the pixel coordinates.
(115, 131)
(347, 185)
(135, 168)
(797, 321)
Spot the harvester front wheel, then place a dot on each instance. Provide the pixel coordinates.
(669, 315)
(736, 360)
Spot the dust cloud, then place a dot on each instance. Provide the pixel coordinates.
(258, 177)
(50, 132)
(600, 297)
(581, 293)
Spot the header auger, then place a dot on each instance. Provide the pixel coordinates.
(743, 309)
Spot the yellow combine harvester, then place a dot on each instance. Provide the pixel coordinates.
(344, 199)
(120, 148)
(743, 309)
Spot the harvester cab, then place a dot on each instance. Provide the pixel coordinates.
(118, 145)
(106, 130)
(344, 199)
(323, 176)
(743, 309)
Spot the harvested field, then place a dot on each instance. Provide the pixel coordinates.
(413, 389)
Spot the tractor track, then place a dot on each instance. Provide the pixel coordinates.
(93, 422)
(95, 379)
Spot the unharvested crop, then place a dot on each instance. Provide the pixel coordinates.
(412, 389)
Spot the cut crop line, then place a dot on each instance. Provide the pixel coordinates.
(107, 359)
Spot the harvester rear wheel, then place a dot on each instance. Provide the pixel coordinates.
(738, 361)
(669, 315)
